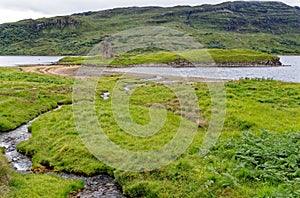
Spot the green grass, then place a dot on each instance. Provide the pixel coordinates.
(87, 60)
(155, 57)
(227, 56)
(14, 184)
(206, 56)
(126, 59)
(239, 163)
(24, 96)
(4, 175)
(65, 142)
(74, 60)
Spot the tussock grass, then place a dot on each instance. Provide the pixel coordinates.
(252, 105)
(5, 177)
(24, 96)
(13, 184)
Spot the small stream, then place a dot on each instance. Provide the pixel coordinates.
(95, 187)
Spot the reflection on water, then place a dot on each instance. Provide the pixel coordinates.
(287, 73)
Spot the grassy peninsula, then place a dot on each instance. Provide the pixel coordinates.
(234, 57)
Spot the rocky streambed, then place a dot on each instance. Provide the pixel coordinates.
(95, 187)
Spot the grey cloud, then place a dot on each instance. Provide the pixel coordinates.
(71, 6)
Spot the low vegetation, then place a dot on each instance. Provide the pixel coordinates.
(246, 157)
(204, 56)
(4, 176)
(233, 56)
(24, 96)
(14, 184)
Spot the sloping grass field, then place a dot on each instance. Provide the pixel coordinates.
(24, 96)
(258, 148)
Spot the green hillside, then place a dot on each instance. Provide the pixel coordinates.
(271, 27)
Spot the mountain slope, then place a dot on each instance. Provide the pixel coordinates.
(271, 27)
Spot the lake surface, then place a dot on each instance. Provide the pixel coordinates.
(286, 73)
(12, 61)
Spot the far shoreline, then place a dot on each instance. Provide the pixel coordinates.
(237, 65)
(171, 65)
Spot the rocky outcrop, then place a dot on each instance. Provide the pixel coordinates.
(273, 62)
(59, 23)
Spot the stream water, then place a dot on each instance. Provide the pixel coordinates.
(97, 186)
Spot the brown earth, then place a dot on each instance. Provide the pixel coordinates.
(61, 70)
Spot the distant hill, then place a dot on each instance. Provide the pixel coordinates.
(272, 27)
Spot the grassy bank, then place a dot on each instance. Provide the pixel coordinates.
(24, 96)
(204, 56)
(239, 163)
(13, 184)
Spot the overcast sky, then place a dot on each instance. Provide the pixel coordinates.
(14, 10)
